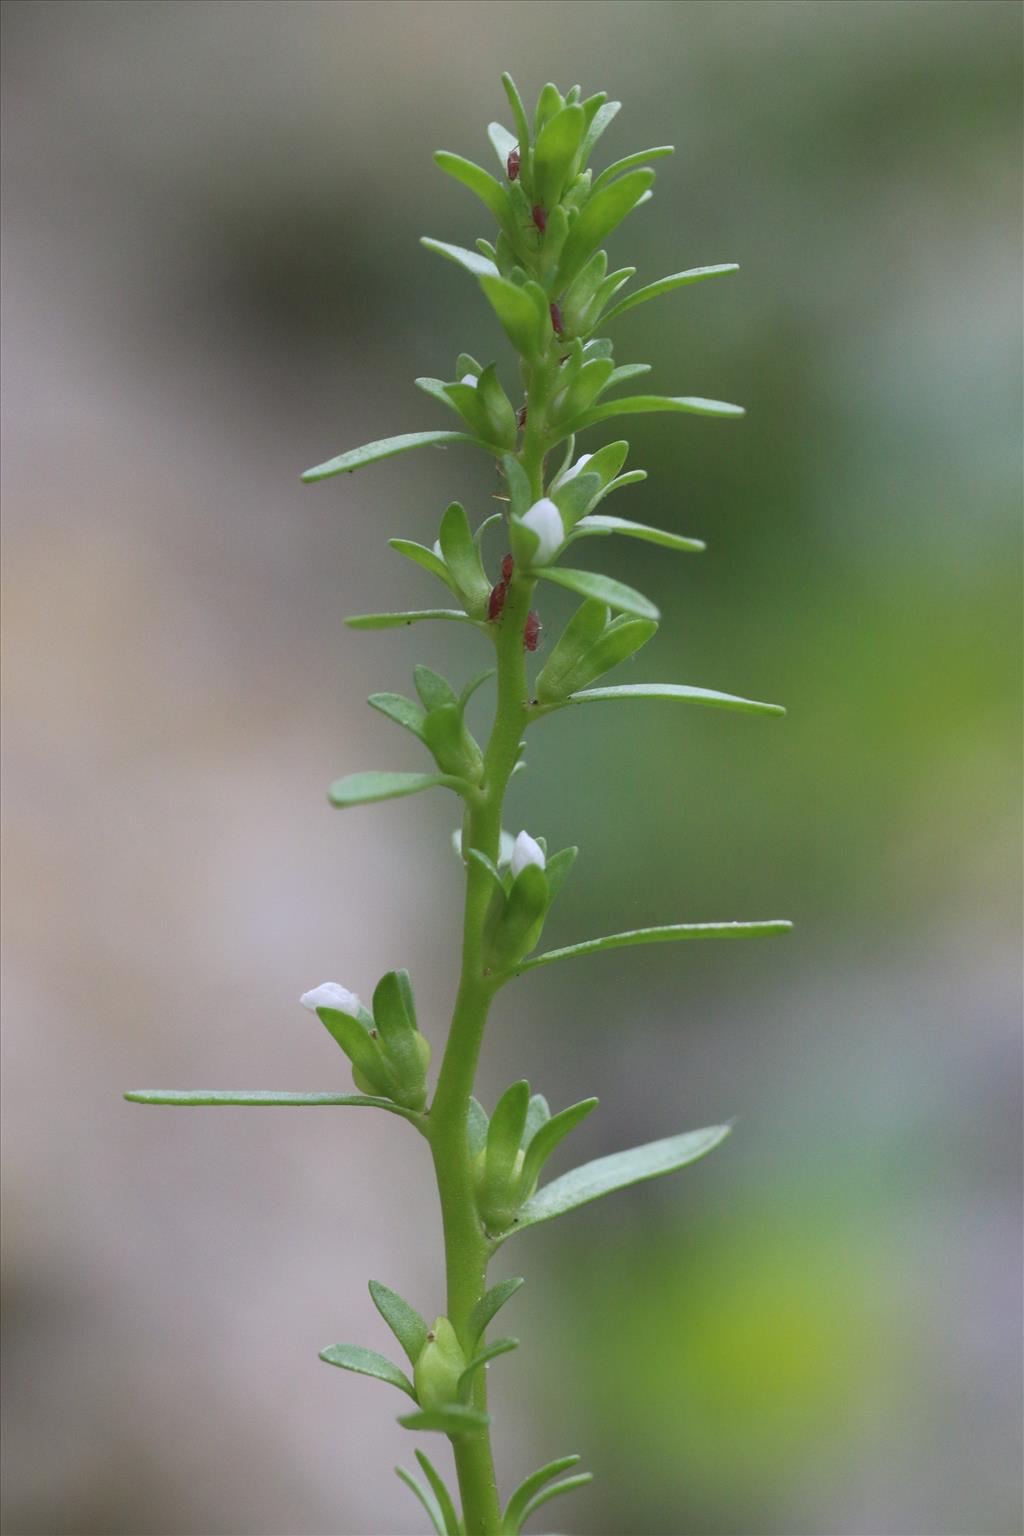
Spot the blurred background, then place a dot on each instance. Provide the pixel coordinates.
(212, 280)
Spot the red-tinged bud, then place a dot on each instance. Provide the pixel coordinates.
(508, 565)
(556, 320)
(531, 631)
(539, 217)
(512, 164)
(496, 601)
(521, 418)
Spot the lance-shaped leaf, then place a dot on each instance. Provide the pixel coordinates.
(428, 1500)
(668, 934)
(404, 1321)
(556, 872)
(607, 1174)
(490, 192)
(364, 788)
(599, 523)
(667, 284)
(518, 312)
(259, 1098)
(520, 120)
(455, 1419)
(680, 692)
(429, 559)
(402, 620)
(597, 220)
(538, 1114)
(599, 122)
(548, 1137)
(367, 1362)
(567, 1485)
(490, 1304)
(641, 157)
(434, 690)
(386, 448)
(402, 711)
(462, 557)
(515, 1509)
(363, 1049)
(444, 1499)
(604, 588)
(637, 405)
(625, 373)
(503, 1138)
(554, 153)
(472, 261)
(499, 1347)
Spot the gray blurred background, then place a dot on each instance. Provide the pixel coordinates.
(212, 281)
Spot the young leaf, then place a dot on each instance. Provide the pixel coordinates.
(669, 934)
(554, 153)
(667, 284)
(490, 1304)
(600, 216)
(515, 1509)
(636, 405)
(503, 143)
(492, 870)
(557, 869)
(489, 191)
(602, 117)
(599, 523)
(399, 709)
(403, 620)
(641, 157)
(582, 631)
(567, 1485)
(427, 1499)
(538, 1114)
(434, 690)
(455, 1419)
(361, 1048)
(443, 1497)
(607, 1174)
(367, 1362)
(364, 788)
(462, 557)
(404, 1321)
(678, 691)
(476, 1127)
(518, 113)
(604, 588)
(550, 1134)
(386, 448)
(504, 1135)
(472, 261)
(429, 559)
(499, 1347)
(260, 1098)
(517, 312)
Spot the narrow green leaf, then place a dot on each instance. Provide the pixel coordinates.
(491, 1303)
(472, 261)
(404, 1321)
(607, 1174)
(429, 559)
(624, 374)
(515, 1509)
(490, 192)
(595, 523)
(669, 934)
(641, 157)
(258, 1098)
(567, 1485)
(584, 629)
(426, 1498)
(555, 150)
(434, 690)
(504, 1136)
(362, 1048)
(557, 869)
(499, 1347)
(401, 710)
(548, 1137)
(517, 312)
(367, 1362)
(637, 405)
(604, 588)
(364, 788)
(455, 1419)
(502, 142)
(538, 1114)
(599, 217)
(515, 101)
(462, 557)
(598, 124)
(386, 448)
(678, 691)
(667, 284)
(402, 620)
(443, 1497)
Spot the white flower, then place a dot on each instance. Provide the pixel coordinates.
(545, 520)
(330, 994)
(470, 379)
(570, 474)
(526, 851)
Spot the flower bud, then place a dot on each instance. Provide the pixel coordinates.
(470, 379)
(570, 474)
(545, 520)
(526, 851)
(330, 994)
(440, 1364)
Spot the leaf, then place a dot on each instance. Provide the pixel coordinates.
(555, 150)
(504, 1136)
(665, 935)
(369, 453)
(429, 559)
(515, 101)
(490, 1303)
(502, 142)
(499, 1347)
(490, 192)
(404, 1321)
(462, 557)
(624, 374)
(557, 868)
(641, 157)
(427, 1499)
(550, 1134)
(597, 522)
(364, 788)
(597, 220)
(485, 863)
(476, 1127)
(239, 1098)
(604, 588)
(515, 1509)
(444, 1499)
(472, 261)
(667, 284)
(399, 709)
(679, 691)
(599, 123)
(518, 314)
(403, 620)
(455, 1419)
(367, 1362)
(567, 1485)
(606, 1174)
(434, 690)
(637, 405)
(538, 1114)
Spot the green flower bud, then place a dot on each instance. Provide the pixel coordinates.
(439, 1366)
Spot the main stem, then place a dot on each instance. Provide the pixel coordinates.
(467, 1246)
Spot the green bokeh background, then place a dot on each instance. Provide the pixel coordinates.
(212, 280)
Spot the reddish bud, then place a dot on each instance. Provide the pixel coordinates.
(556, 319)
(512, 164)
(508, 565)
(496, 601)
(539, 217)
(531, 630)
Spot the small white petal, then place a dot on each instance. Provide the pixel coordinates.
(545, 520)
(470, 379)
(438, 551)
(571, 474)
(330, 994)
(526, 851)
